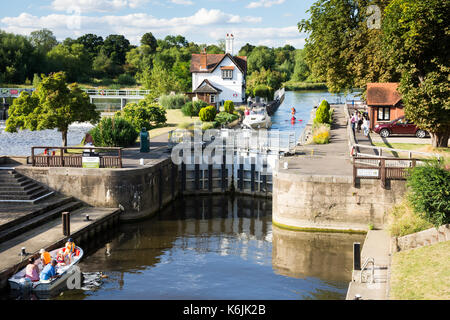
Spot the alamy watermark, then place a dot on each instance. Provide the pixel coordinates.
(374, 17)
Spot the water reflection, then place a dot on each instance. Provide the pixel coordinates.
(215, 248)
(306, 254)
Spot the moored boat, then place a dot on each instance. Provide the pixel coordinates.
(18, 280)
(257, 119)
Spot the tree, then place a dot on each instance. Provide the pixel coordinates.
(149, 40)
(301, 69)
(246, 50)
(54, 105)
(43, 40)
(159, 81)
(340, 49)
(261, 57)
(92, 43)
(417, 39)
(116, 47)
(17, 58)
(73, 60)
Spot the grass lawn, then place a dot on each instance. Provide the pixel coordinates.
(422, 273)
(444, 152)
(174, 118)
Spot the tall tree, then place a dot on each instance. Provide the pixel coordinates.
(43, 40)
(417, 38)
(92, 43)
(116, 48)
(149, 40)
(341, 50)
(54, 105)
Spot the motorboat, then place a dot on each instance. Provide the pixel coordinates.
(257, 119)
(19, 282)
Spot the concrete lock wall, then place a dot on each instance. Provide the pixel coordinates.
(331, 202)
(141, 191)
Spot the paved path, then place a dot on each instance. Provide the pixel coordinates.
(325, 159)
(376, 246)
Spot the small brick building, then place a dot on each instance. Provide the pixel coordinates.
(384, 103)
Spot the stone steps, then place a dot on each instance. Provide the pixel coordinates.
(28, 222)
(15, 187)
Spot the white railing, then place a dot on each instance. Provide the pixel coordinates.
(13, 92)
(116, 93)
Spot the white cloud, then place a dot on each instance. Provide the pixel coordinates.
(96, 5)
(205, 26)
(183, 2)
(264, 3)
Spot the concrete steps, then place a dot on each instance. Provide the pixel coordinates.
(28, 222)
(15, 187)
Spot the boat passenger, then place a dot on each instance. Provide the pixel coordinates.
(32, 270)
(247, 111)
(45, 257)
(70, 247)
(49, 271)
(61, 258)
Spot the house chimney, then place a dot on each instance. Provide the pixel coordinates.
(203, 60)
(229, 44)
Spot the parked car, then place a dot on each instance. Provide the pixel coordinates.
(400, 126)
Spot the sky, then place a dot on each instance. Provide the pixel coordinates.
(272, 23)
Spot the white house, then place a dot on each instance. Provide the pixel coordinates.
(219, 77)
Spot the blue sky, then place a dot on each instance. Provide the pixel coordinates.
(259, 22)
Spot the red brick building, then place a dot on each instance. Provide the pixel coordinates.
(384, 103)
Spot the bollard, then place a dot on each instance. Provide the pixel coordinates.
(86, 218)
(66, 223)
(356, 256)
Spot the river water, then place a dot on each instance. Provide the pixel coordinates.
(20, 143)
(217, 248)
(211, 247)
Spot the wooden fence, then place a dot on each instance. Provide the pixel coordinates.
(383, 168)
(63, 159)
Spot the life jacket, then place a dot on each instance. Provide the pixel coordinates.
(70, 248)
(46, 258)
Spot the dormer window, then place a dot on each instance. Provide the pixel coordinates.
(227, 73)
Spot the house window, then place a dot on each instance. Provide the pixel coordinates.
(227, 74)
(212, 98)
(384, 114)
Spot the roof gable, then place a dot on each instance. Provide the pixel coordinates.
(207, 87)
(383, 94)
(214, 60)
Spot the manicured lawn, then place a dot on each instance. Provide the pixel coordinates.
(174, 118)
(422, 273)
(444, 152)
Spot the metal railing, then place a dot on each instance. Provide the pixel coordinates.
(116, 93)
(366, 263)
(50, 159)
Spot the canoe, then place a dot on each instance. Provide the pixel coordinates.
(19, 282)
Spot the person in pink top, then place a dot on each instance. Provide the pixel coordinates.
(32, 270)
(247, 112)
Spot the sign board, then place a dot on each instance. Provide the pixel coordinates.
(91, 162)
(372, 173)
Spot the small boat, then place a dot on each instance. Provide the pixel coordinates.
(257, 119)
(18, 280)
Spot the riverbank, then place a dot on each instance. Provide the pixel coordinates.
(304, 86)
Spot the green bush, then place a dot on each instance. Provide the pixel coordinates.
(263, 91)
(126, 80)
(143, 114)
(403, 220)
(229, 106)
(114, 132)
(209, 125)
(225, 117)
(207, 114)
(323, 113)
(172, 101)
(430, 192)
(192, 109)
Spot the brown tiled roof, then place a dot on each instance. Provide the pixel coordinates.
(383, 94)
(213, 60)
(207, 87)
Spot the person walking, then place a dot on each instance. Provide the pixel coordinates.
(366, 126)
(353, 121)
